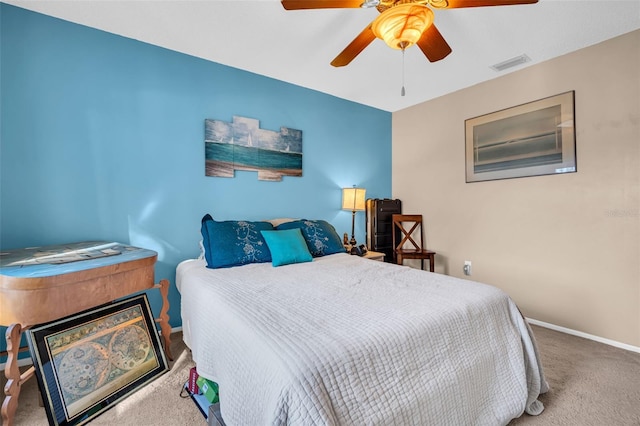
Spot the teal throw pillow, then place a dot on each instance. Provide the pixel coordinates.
(286, 247)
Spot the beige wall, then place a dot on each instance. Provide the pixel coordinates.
(565, 247)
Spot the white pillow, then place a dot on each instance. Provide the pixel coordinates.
(279, 221)
(201, 256)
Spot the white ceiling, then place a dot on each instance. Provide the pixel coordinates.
(297, 46)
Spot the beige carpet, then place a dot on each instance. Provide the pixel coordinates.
(591, 384)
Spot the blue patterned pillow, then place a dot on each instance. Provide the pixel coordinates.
(321, 237)
(233, 243)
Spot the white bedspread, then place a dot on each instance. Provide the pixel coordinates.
(349, 341)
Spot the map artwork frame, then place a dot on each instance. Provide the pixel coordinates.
(87, 362)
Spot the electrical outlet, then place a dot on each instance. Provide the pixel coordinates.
(467, 267)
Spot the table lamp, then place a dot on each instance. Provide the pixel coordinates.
(353, 200)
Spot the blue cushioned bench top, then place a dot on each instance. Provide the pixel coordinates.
(34, 262)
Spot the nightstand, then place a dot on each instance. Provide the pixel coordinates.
(374, 255)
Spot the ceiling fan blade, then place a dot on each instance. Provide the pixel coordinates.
(320, 4)
(354, 48)
(433, 45)
(454, 4)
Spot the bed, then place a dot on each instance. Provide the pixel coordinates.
(343, 340)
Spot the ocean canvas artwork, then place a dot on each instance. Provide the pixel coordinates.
(242, 145)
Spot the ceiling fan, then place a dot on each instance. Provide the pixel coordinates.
(401, 23)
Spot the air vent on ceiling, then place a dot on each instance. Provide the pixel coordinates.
(518, 60)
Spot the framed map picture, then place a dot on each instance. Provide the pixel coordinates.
(87, 362)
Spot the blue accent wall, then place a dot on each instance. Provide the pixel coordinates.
(102, 137)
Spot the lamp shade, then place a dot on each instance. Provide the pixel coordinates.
(353, 199)
(402, 26)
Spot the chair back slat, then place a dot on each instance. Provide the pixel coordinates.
(408, 225)
(404, 232)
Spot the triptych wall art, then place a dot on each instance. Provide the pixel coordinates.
(243, 145)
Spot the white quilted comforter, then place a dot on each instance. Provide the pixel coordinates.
(349, 341)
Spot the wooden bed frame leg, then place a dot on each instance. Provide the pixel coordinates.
(163, 319)
(12, 373)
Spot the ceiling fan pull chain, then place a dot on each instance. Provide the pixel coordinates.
(402, 91)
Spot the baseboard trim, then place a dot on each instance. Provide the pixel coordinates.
(584, 335)
(23, 362)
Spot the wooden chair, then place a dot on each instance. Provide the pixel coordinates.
(407, 227)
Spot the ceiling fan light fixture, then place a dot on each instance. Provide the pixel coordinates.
(402, 26)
